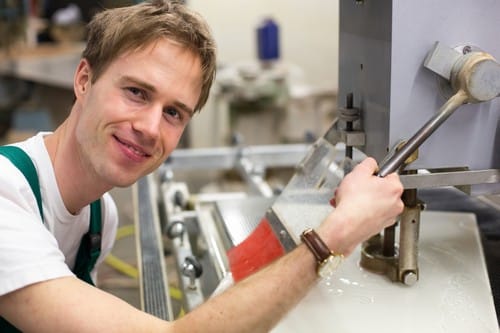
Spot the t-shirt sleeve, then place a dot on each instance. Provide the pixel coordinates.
(28, 251)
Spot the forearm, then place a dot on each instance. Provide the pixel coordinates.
(70, 305)
(257, 303)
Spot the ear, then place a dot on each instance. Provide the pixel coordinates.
(82, 79)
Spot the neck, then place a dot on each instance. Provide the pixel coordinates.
(78, 185)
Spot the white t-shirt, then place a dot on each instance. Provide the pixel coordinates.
(31, 251)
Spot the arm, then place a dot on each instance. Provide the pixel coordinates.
(70, 305)
(365, 205)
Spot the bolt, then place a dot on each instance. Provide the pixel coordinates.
(410, 278)
(349, 101)
(349, 124)
(283, 234)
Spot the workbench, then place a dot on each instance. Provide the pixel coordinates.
(49, 69)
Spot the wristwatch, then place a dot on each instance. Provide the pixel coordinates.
(327, 260)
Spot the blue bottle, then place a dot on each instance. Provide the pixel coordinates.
(268, 40)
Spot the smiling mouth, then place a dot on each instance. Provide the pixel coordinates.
(134, 149)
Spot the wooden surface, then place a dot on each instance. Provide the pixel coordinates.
(41, 50)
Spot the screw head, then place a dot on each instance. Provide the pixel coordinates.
(410, 278)
(466, 49)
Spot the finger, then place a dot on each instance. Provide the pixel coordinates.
(392, 176)
(396, 181)
(369, 164)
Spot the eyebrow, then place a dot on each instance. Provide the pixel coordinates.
(184, 107)
(149, 87)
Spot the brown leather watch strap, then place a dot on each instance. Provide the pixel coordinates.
(319, 249)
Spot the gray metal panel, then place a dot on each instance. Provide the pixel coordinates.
(365, 67)
(470, 137)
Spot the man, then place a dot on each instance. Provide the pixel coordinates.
(146, 70)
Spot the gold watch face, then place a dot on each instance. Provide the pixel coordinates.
(328, 267)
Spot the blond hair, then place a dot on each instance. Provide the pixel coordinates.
(115, 31)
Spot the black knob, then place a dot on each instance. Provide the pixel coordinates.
(192, 267)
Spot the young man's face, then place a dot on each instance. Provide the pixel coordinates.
(133, 116)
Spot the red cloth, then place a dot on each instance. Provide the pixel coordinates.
(256, 251)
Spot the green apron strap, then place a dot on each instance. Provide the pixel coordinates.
(23, 162)
(90, 246)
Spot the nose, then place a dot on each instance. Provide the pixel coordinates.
(147, 122)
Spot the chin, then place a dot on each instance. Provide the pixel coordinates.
(124, 183)
(114, 180)
(127, 181)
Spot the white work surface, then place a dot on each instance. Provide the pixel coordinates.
(452, 295)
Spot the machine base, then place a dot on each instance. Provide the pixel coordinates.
(452, 295)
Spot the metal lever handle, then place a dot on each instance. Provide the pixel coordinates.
(400, 156)
(476, 78)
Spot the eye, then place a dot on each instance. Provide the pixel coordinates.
(172, 112)
(136, 93)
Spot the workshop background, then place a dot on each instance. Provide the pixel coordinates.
(289, 95)
(48, 36)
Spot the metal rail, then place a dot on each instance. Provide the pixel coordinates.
(451, 178)
(153, 285)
